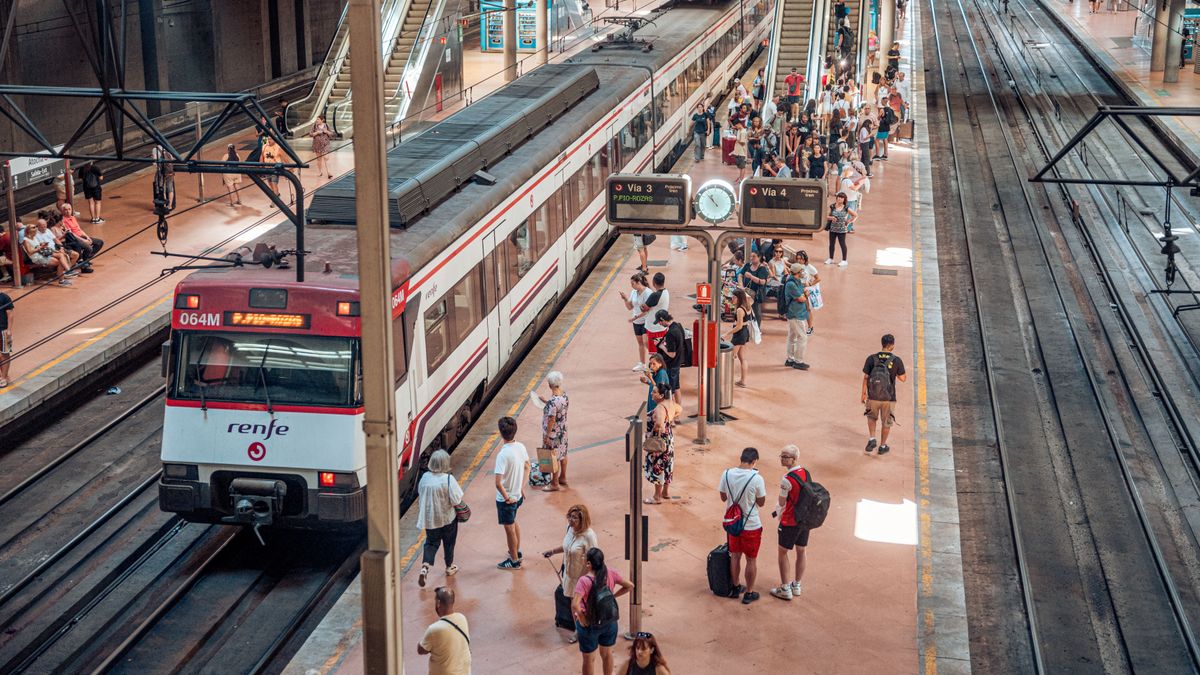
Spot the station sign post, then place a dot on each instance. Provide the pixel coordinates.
(704, 299)
(649, 200)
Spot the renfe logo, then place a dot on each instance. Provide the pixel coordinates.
(264, 430)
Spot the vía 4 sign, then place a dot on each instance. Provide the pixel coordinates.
(793, 205)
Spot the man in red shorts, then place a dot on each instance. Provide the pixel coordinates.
(743, 485)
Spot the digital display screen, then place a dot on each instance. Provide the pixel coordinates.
(768, 216)
(648, 200)
(786, 204)
(267, 320)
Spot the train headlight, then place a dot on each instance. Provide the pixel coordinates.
(181, 471)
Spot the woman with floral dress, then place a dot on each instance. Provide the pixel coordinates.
(660, 445)
(554, 428)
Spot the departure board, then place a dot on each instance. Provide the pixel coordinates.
(791, 204)
(649, 199)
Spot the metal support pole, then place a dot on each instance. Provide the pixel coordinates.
(714, 316)
(199, 135)
(701, 374)
(382, 636)
(70, 184)
(510, 40)
(1158, 43)
(14, 247)
(543, 32)
(634, 527)
(1173, 58)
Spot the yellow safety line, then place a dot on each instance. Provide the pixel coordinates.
(85, 344)
(490, 443)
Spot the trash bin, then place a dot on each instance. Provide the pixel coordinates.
(725, 367)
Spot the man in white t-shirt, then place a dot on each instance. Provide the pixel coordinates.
(512, 469)
(743, 485)
(659, 298)
(447, 640)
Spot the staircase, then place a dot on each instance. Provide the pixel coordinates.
(792, 39)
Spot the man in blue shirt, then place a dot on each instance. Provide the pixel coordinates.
(797, 318)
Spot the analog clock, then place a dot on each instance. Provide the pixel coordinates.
(715, 201)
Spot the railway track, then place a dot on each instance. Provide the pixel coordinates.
(95, 578)
(1071, 415)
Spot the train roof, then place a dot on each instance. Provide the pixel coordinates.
(619, 72)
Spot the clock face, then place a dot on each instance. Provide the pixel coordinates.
(715, 201)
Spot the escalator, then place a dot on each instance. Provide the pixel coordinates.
(797, 22)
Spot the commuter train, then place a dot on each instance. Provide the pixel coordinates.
(497, 214)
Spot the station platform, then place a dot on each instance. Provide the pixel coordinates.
(1110, 37)
(883, 588)
(62, 334)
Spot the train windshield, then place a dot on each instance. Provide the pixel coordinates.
(267, 368)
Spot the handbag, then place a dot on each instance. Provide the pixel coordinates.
(547, 460)
(462, 512)
(815, 299)
(654, 445)
(755, 332)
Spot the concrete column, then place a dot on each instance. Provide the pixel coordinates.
(510, 40)
(1158, 46)
(887, 31)
(543, 32)
(1174, 42)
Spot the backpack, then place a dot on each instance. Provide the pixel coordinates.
(812, 503)
(879, 382)
(735, 521)
(603, 609)
(686, 357)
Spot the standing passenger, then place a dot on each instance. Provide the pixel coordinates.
(633, 302)
(797, 316)
(739, 334)
(321, 135)
(596, 611)
(659, 299)
(512, 466)
(437, 495)
(447, 640)
(791, 534)
(232, 181)
(578, 540)
(554, 428)
(743, 486)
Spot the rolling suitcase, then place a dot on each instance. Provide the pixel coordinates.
(562, 603)
(718, 571)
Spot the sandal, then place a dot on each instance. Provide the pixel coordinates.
(651, 500)
(424, 573)
(451, 570)
(550, 488)
(740, 384)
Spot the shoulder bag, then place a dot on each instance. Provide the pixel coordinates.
(462, 512)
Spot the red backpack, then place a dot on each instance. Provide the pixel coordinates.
(735, 520)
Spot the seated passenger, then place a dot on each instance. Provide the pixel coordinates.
(43, 250)
(78, 240)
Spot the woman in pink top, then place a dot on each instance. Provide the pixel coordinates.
(596, 613)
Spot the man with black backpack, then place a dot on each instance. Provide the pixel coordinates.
(791, 533)
(880, 373)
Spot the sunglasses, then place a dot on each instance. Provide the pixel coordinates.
(643, 635)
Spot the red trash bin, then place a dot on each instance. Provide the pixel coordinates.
(727, 143)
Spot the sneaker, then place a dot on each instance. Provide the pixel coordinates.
(795, 589)
(829, 261)
(71, 273)
(737, 591)
(883, 450)
(800, 365)
(64, 282)
(638, 367)
(509, 564)
(749, 597)
(87, 270)
(871, 444)
(843, 263)
(789, 363)
(424, 574)
(808, 331)
(98, 221)
(782, 592)
(683, 248)
(870, 175)
(451, 570)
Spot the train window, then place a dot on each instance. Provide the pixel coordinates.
(583, 187)
(437, 335)
(467, 301)
(543, 233)
(399, 349)
(605, 165)
(614, 155)
(554, 213)
(487, 272)
(267, 368)
(518, 254)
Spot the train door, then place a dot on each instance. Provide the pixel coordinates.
(496, 294)
(407, 375)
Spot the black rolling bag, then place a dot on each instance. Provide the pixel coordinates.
(719, 580)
